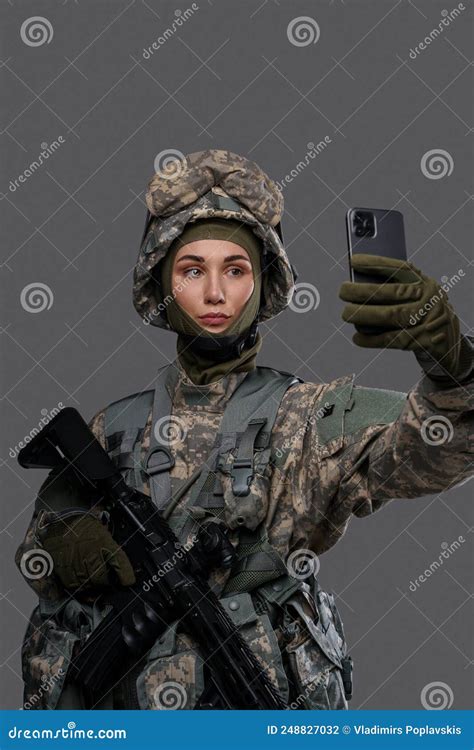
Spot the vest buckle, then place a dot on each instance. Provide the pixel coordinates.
(158, 459)
(241, 476)
(242, 469)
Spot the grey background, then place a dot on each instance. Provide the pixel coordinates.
(229, 78)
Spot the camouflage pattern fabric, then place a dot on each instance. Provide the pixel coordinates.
(212, 184)
(46, 653)
(337, 450)
(183, 181)
(373, 445)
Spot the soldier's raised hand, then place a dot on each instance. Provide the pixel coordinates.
(411, 310)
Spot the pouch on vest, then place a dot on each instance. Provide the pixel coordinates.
(234, 488)
(174, 675)
(48, 647)
(317, 652)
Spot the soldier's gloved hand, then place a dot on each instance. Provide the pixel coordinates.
(411, 310)
(85, 555)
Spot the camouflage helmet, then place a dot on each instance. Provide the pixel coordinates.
(211, 184)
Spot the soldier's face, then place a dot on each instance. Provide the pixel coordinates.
(212, 280)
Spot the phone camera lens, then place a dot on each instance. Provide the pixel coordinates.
(364, 225)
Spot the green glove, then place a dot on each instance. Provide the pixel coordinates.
(85, 555)
(411, 310)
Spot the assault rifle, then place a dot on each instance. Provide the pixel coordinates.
(234, 677)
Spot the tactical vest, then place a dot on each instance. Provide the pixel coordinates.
(259, 587)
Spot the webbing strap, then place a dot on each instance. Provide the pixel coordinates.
(124, 423)
(127, 418)
(257, 396)
(159, 458)
(253, 404)
(243, 464)
(127, 414)
(256, 407)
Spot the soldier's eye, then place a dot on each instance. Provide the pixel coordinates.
(189, 271)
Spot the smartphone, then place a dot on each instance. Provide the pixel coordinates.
(376, 231)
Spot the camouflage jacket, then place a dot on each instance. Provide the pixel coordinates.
(324, 468)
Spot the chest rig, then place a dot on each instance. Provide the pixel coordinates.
(258, 588)
(238, 458)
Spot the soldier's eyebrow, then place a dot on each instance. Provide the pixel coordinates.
(200, 259)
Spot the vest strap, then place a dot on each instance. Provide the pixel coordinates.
(159, 459)
(246, 429)
(124, 426)
(242, 470)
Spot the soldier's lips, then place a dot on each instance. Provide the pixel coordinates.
(212, 320)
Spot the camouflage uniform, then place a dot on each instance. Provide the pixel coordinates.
(337, 449)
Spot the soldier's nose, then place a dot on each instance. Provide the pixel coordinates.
(214, 294)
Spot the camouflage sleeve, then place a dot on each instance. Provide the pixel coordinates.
(430, 447)
(32, 560)
(366, 446)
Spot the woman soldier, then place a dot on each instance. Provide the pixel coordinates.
(280, 464)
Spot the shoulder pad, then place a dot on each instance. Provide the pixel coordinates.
(281, 372)
(128, 413)
(130, 397)
(343, 408)
(372, 406)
